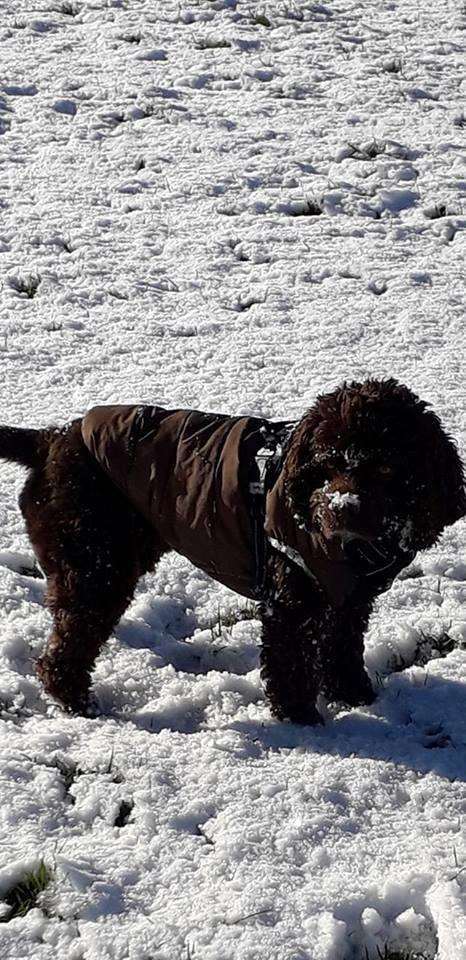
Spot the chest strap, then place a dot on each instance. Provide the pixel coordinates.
(266, 466)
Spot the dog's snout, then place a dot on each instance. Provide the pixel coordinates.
(342, 501)
(338, 509)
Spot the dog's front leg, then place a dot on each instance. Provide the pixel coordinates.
(344, 677)
(288, 665)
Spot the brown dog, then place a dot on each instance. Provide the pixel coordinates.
(312, 519)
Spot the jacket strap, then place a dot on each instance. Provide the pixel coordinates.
(267, 465)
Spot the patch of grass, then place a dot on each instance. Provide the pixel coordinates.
(201, 833)
(23, 896)
(443, 643)
(261, 20)
(227, 619)
(117, 776)
(428, 646)
(378, 287)
(436, 211)
(68, 9)
(124, 812)
(211, 43)
(308, 208)
(313, 208)
(27, 286)
(394, 65)
(69, 772)
(131, 37)
(388, 954)
(53, 326)
(245, 303)
(367, 151)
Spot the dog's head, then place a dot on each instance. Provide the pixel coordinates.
(370, 464)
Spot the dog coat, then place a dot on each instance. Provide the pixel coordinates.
(212, 486)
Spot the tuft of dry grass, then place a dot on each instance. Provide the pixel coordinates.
(436, 211)
(390, 954)
(428, 647)
(211, 43)
(225, 620)
(124, 812)
(24, 895)
(69, 9)
(394, 65)
(25, 286)
(261, 20)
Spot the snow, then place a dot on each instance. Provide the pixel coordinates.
(337, 500)
(232, 206)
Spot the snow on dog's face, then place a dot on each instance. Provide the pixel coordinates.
(371, 465)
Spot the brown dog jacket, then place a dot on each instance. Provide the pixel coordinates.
(213, 488)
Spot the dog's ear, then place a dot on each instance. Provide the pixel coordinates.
(442, 500)
(301, 471)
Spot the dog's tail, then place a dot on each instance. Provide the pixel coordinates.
(20, 445)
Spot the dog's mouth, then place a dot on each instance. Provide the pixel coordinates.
(367, 556)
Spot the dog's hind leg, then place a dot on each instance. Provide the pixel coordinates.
(86, 600)
(85, 609)
(93, 548)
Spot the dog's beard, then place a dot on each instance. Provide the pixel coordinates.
(369, 557)
(375, 553)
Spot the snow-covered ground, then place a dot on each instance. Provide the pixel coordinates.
(232, 205)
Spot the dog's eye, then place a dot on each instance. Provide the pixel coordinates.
(384, 470)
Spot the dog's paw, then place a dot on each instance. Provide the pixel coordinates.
(73, 699)
(309, 717)
(357, 694)
(359, 699)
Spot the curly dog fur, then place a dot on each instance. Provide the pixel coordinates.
(368, 464)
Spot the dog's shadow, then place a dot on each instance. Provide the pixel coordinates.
(418, 728)
(176, 652)
(171, 631)
(418, 721)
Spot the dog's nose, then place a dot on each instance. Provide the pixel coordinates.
(338, 511)
(342, 501)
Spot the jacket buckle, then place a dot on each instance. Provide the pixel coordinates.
(256, 487)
